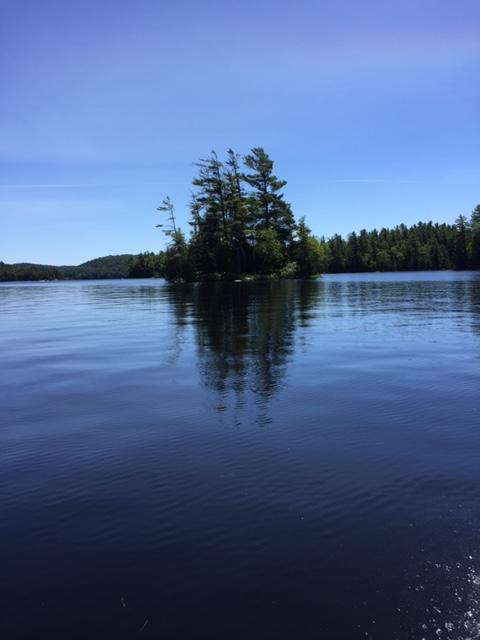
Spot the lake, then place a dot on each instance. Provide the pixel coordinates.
(296, 459)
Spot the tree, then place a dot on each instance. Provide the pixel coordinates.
(353, 253)
(147, 265)
(268, 208)
(308, 252)
(475, 217)
(268, 251)
(209, 214)
(460, 257)
(475, 238)
(236, 204)
(336, 246)
(170, 229)
(177, 263)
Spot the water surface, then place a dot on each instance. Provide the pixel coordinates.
(256, 460)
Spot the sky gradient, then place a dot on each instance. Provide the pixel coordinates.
(369, 109)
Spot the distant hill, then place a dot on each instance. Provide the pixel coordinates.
(106, 267)
(100, 268)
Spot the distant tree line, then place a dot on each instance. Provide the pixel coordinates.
(99, 268)
(27, 271)
(423, 246)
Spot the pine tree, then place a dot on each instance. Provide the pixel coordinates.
(475, 238)
(308, 252)
(268, 207)
(460, 257)
(170, 229)
(237, 211)
(210, 195)
(475, 217)
(209, 215)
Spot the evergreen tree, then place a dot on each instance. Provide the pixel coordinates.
(170, 229)
(240, 221)
(475, 217)
(268, 207)
(269, 255)
(308, 253)
(460, 255)
(475, 238)
(176, 261)
(338, 261)
(353, 253)
(147, 265)
(209, 215)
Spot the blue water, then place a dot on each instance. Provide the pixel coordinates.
(256, 460)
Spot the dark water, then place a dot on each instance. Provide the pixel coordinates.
(284, 460)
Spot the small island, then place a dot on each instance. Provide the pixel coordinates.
(241, 225)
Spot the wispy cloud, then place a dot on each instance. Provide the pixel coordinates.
(46, 186)
(372, 180)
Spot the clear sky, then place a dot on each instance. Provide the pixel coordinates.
(370, 110)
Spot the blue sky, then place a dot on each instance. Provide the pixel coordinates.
(369, 109)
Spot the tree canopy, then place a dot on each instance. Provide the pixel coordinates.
(240, 223)
(423, 246)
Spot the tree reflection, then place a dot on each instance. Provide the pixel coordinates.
(474, 298)
(245, 332)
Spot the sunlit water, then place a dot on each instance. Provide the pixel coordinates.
(241, 461)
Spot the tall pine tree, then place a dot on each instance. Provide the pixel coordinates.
(268, 206)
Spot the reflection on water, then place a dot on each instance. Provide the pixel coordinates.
(261, 460)
(244, 333)
(474, 300)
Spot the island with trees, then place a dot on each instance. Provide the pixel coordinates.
(241, 227)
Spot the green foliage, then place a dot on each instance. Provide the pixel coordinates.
(268, 251)
(288, 271)
(102, 268)
(240, 221)
(178, 263)
(169, 229)
(27, 271)
(268, 208)
(420, 247)
(309, 253)
(475, 246)
(147, 265)
(475, 217)
(475, 238)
